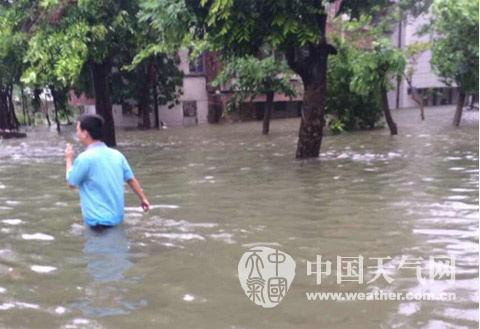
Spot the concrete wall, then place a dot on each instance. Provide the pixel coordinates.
(124, 120)
(194, 89)
(424, 77)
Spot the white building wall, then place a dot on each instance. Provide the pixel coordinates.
(194, 89)
(122, 120)
(89, 109)
(424, 76)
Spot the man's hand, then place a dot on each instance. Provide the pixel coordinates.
(68, 160)
(145, 204)
(68, 152)
(135, 186)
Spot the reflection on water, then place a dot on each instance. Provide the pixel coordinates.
(107, 258)
(106, 253)
(217, 191)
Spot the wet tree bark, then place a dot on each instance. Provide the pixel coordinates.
(386, 110)
(100, 75)
(458, 112)
(23, 108)
(311, 125)
(12, 109)
(26, 109)
(310, 63)
(8, 119)
(144, 98)
(47, 116)
(268, 113)
(37, 104)
(144, 108)
(155, 103)
(415, 98)
(66, 115)
(28, 112)
(13, 116)
(420, 105)
(55, 106)
(4, 123)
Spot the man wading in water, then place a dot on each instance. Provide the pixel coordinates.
(99, 172)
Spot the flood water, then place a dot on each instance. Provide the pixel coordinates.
(217, 191)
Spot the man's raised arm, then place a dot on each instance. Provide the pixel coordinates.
(68, 161)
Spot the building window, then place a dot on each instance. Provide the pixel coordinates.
(189, 109)
(126, 109)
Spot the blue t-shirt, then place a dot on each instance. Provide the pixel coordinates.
(99, 172)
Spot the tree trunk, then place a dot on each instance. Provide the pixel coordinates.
(13, 116)
(420, 105)
(143, 95)
(311, 65)
(386, 110)
(23, 108)
(268, 113)
(46, 113)
(66, 115)
(155, 103)
(4, 124)
(36, 102)
(415, 98)
(103, 106)
(26, 113)
(8, 119)
(152, 81)
(143, 98)
(459, 110)
(311, 125)
(55, 106)
(144, 108)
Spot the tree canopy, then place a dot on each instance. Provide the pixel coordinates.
(242, 27)
(455, 51)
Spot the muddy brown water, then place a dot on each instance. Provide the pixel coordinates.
(216, 191)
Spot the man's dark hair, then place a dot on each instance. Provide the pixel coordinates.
(93, 124)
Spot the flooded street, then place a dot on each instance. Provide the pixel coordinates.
(217, 191)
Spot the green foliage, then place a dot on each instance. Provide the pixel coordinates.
(252, 77)
(68, 37)
(414, 8)
(375, 67)
(336, 126)
(111, 24)
(13, 39)
(350, 108)
(365, 61)
(171, 20)
(241, 27)
(129, 84)
(56, 56)
(144, 62)
(455, 51)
